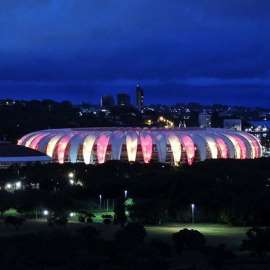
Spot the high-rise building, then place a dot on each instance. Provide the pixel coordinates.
(139, 97)
(204, 119)
(107, 101)
(123, 99)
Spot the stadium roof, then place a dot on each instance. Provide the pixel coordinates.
(17, 153)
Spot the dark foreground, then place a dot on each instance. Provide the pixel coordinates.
(77, 246)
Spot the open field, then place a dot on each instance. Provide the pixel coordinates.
(214, 233)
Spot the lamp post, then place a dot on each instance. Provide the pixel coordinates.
(100, 201)
(18, 185)
(45, 212)
(193, 213)
(71, 178)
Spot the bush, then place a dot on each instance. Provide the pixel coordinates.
(89, 220)
(107, 221)
(15, 221)
(86, 217)
(57, 219)
(81, 218)
(188, 239)
(107, 216)
(151, 212)
(258, 241)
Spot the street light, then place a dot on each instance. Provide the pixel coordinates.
(8, 186)
(71, 182)
(18, 185)
(71, 178)
(126, 194)
(100, 200)
(71, 175)
(193, 212)
(45, 212)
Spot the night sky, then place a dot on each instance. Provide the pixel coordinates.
(208, 51)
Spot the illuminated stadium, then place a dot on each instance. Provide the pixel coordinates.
(173, 146)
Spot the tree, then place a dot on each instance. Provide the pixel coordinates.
(188, 239)
(5, 201)
(120, 212)
(258, 241)
(151, 211)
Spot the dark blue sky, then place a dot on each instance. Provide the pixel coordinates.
(209, 51)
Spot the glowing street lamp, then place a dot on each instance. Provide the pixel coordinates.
(45, 212)
(8, 186)
(18, 185)
(126, 194)
(71, 178)
(193, 212)
(100, 200)
(71, 182)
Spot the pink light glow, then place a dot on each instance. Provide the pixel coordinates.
(147, 145)
(24, 139)
(189, 147)
(36, 141)
(30, 140)
(222, 148)
(102, 144)
(256, 147)
(242, 147)
(61, 148)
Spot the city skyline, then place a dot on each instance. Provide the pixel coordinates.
(192, 51)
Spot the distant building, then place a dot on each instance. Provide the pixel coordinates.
(235, 124)
(204, 119)
(11, 154)
(139, 98)
(261, 130)
(107, 101)
(123, 99)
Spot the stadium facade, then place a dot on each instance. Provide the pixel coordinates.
(175, 146)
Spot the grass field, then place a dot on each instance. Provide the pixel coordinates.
(214, 233)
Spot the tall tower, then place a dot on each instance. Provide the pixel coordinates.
(139, 97)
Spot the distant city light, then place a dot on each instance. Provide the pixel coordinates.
(71, 175)
(193, 212)
(18, 185)
(8, 186)
(45, 212)
(71, 182)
